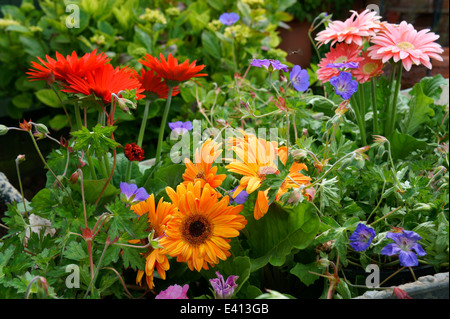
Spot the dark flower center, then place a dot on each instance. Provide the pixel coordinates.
(196, 229)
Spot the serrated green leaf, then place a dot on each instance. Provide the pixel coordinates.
(75, 251)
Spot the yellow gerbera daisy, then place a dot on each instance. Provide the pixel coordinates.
(157, 219)
(199, 232)
(255, 159)
(202, 169)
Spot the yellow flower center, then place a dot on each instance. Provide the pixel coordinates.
(341, 59)
(369, 68)
(405, 45)
(349, 29)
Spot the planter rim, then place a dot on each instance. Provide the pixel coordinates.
(426, 287)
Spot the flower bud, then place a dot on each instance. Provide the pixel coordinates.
(74, 177)
(41, 128)
(20, 158)
(3, 130)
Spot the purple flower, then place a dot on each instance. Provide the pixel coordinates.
(241, 198)
(345, 65)
(269, 64)
(174, 292)
(299, 78)
(131, 194)
(180, 127)
(223, 289)
(362, 237)
(344, 86)
(403, 245)
(229, 18)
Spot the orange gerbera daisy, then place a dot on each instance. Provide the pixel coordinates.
(199, 232)
(294, 180)
(103, 82)
(60, 68)
(202, 169)
(157, 219)
(152, 83)
(256, 158)
(170, 70)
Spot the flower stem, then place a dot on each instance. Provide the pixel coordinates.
(363, 112)
(385, 216)
(20, 186)
(78, 116)
(163, 125)
(393, 108)
(43, 160)
(91, 165)
(373, 86)
(91, 286)
(63, 106)
(143, 123)
(356, 109)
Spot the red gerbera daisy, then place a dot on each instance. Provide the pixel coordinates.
(133, 152)
(104, 81)
(170, 70)
(153, 83)
(60, 68)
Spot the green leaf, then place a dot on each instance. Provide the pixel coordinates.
(281, 230)
(432, 86)
(33, 46)
(419, 111)
(58, 122)
(48, 97)
(22, 101)
(402, 145)
(122, 220)
(303, 272)
(98, 141)
(75, 251)
(211, 44)
(92, 189)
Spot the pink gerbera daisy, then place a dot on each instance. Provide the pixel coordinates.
(368, 68)
(403, 42)
(342, 53)
(353, 30)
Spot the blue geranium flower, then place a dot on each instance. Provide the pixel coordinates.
(241, 198)
(344, 85)
(362, 237)
(406, 246)
(229, 18)
(180, 127)
(345, 65)
(131, 194)
(299, 78)
(269, 64)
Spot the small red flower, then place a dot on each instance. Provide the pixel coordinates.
(26, 126)
(133, 152)
(170, 70)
